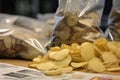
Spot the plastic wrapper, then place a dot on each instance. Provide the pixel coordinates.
(77, 21)
(7, 19)
(17, 41)
(23, 37)
(37, 26)
(113, 30)
(40, 27)
(49, 18)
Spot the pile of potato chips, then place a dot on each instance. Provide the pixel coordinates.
(99, 56)
(77, 29)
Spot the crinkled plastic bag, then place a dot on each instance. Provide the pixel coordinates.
(113, 30)
(39, 27)
(20, 42)
(7, 19)
(77, 21)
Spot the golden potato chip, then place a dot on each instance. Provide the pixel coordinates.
(56, 48)
(63, 32)
(64, 62)
(96, 65)
(8, 42)
(75, 46)
(45, 66)
(65, 46)
(71, 20)
(41, 59)
(107, 64)
(46, 56)
(77, 65)
(59, 55)
(87, 51)
(109, 57)
(97, 51)
(65, 69)
(113, 69)
(78, 29)
(76, 58)
(36, 59)
(89, 68)
(118, 52)
(101, 43)
(52, 72)
(75, 55)
(33, 64)
(112, 46)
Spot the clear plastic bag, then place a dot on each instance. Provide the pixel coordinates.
(113, 30)
(40, 27)
(20, 42)
(77, 21)
(37, 26)
(7, 19)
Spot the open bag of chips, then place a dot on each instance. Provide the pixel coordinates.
(113, 31)
(23, 37)
(77, 21)
(78, 43)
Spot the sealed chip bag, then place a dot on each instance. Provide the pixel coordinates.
(20, 42)
(77, 21)
(113, 30)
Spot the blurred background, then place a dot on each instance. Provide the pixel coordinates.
(28, 7)
(38, 9)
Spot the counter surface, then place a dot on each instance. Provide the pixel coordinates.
(16, 62)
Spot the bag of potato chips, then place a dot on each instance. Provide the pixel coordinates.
(20, 42)
(7, 19)
(77, 21)
(113, 30)
(23, 37)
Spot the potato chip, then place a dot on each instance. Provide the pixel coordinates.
(52, 72)
(107, 64)
(113, 69)
(96, 65)
(97, 51)
(72, 20)
(75, 46)
(109, 57)
(7, 42)
(64, 62)
(65, 46)
(37, 59)
(46, 56)
(59, 55)
(112, 46)
(77, 65)
(33, 65)
(65, 69)
(101, 43)
(118, 52)
(75, 55)
(87, 51)
(45, 66)
(76, 58)
(63, 33)
(56, 48)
